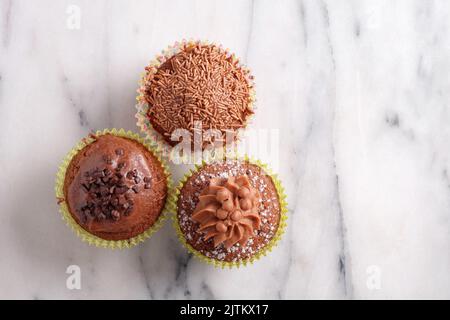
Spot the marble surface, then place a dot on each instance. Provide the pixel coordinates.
(358, 93)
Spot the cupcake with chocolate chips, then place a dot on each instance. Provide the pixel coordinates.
(195, 86)
(230, 213)
(113, 189)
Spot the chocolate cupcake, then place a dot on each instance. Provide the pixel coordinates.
(195, 86)
(113, 188)
(230, 213)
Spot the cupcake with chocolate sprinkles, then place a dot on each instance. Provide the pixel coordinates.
(195, 86)
(230, 213)
(112, 189)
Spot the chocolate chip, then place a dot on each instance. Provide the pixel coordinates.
(115, 201)
(107, 194)
(121, 190)
(97, 174)
(106, 199)
(119, 152)
(147, 179)
(115, 215)
(101, 216)
(147, 185)
(114, 180)
(128, 211)
(121, 165)
(104, 191)
(89, 214)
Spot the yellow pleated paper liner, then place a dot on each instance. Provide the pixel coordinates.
(142, 106)
(264, 251)
(82, 233)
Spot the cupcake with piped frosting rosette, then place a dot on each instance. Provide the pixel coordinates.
(113, 189)
(195, 86)
(230, 213)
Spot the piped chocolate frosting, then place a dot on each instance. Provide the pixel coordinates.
(269, 209)
(228, 211)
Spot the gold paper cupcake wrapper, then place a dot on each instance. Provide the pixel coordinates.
(82, 233)
(264, 251)
(142, 106)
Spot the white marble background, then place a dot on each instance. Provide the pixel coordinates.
(359, 91)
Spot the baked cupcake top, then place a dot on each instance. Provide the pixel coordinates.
(115, 188)
(198, 83)
(229, 211)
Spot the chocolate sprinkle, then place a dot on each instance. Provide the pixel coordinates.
(199, 83)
